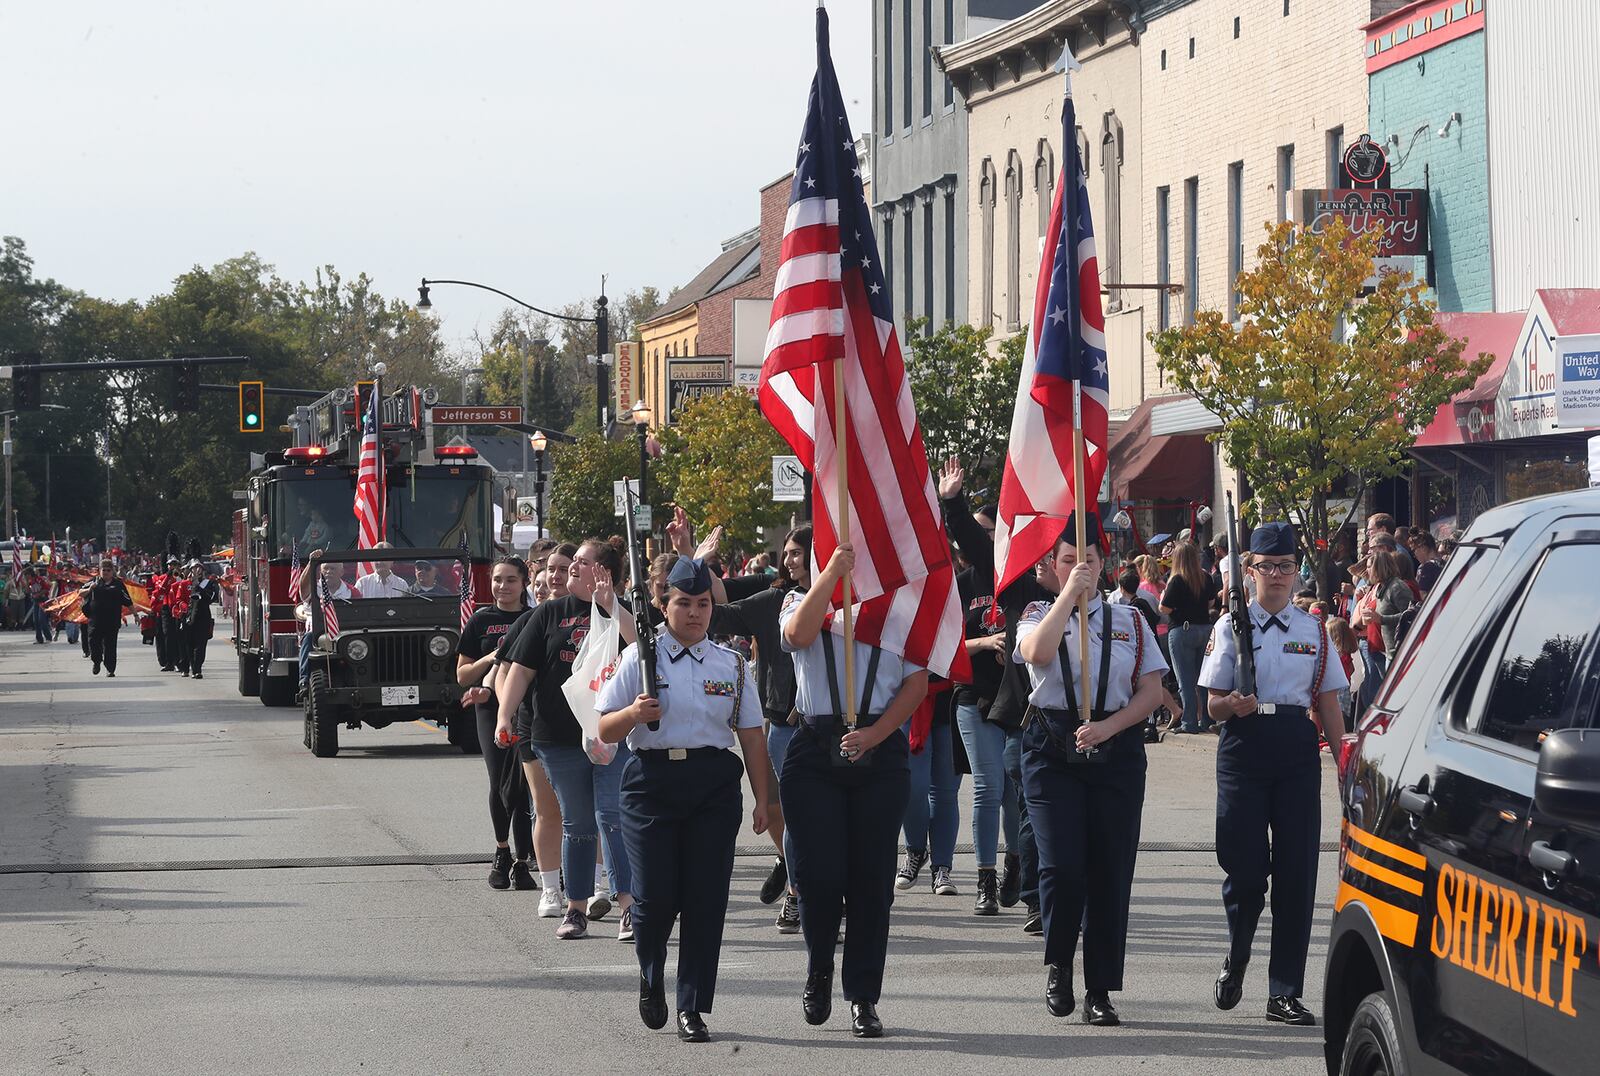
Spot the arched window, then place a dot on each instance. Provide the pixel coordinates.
(1111, 166)
(986, 200)
(1013, 241)
(1044, 182)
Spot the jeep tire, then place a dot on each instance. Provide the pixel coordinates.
(322, 722)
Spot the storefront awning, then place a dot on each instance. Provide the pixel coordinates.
(1150, 467)
(1469, 416)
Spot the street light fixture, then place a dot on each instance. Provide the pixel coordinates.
(537, 442)
(601, 322)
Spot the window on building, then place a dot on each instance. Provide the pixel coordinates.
(986, 200)
(949, 38)
(927, 58)
(1335, 150)
(1191, 247)
(1286, 8)
(907, 231)
(927, 261)
(1532, 678)
(1235, 235)
(694, 345)
(905, 64)
(1013, 242)
(1163, 59)
(1285, 182)
(1044, 182)
(950, 255)
(888, 67)
(888, 251)
(1163, 257)
(1236, 27)
(1111, 172)
(1191, 48)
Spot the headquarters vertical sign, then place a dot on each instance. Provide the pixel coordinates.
(627, 371)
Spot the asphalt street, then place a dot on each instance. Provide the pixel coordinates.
(139, 936)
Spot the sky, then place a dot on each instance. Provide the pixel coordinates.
(533, 146)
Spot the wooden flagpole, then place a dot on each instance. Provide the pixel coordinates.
(1080, 512)
(841, 440)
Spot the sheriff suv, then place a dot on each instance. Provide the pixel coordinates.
(1467, 915)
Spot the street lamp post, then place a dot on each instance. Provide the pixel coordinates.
(641, 423)
(602, 327)
(538, 442)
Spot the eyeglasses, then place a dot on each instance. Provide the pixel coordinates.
(1277, 567)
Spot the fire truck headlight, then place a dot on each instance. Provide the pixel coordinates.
(357, 650)
(439, 645)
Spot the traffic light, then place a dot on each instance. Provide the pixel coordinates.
(252, 410)
(186, 387)
(25, 382)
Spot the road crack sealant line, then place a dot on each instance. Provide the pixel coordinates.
(422, 860)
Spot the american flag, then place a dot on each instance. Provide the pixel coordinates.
(1065, 353)
(16, 556)
(831, 305)
(467, 603)
(330, 616)
(294, 570)
(369, 478)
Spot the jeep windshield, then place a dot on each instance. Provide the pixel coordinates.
(428, 508)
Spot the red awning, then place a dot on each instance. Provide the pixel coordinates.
(1175, 467)
(1469, 416)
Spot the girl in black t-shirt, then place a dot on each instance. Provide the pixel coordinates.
(480, 639)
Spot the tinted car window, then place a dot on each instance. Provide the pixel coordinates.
(1535, 671)
(1466, 571)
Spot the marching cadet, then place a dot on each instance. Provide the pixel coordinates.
(1269, 773)
(844, 793)
(1084, 779)
(680, 793)
(198, 622)
(178, 587)
(160, 613)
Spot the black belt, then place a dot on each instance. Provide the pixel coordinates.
(676, 754)
(826, 721)
(1282, 709)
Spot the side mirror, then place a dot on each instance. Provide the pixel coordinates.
(1567, 786)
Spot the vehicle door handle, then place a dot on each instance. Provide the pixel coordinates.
(1550, 860)
(1416, 803)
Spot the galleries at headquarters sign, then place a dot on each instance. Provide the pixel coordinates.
(690, 379)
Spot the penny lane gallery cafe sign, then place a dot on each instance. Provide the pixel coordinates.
(1367, 205)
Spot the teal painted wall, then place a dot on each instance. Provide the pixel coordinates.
(1426, 89)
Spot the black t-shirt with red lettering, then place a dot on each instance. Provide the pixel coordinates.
(546, 640)
(484, 632)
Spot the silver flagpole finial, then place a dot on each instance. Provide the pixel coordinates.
(1068, 61)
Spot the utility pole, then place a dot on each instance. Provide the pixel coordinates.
(8, 523)
(602, 344)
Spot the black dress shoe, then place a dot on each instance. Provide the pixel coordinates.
(1097, 1009)
(691, 1028)
(777, 882)
(652, 1004)
(1229, 987)
(1058, 991)
(1284, 1009)
(817, 1000)
(864, 1022)
(1011, 881)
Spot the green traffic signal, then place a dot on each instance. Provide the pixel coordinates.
(250, 407)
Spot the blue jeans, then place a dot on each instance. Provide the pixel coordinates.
(932, 814)
(591, 805)
(42, 632)
(1027, 848)
(778, 737)
(1376, 662)
(306, 642)
(1188, 646)
(994, 799)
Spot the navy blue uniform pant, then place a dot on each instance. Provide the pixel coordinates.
(680, 819)
(1086, 819)
(1269, 823)
(844, 825)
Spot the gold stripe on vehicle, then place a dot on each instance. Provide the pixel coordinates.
(1396, 924)
(1383, 874)
(1393, 851)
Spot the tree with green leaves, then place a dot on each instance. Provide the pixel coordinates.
(964, 397)
(1323, 384)
(717, 461)
(583, 474)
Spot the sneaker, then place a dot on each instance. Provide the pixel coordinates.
(551, 904)
(574, 925)
(907, 877)
(789, 915)
(942, 885)
(776, 882)
(1034, 924)
(599, 905)
(522, 877)
(625, 925)
(500, 871)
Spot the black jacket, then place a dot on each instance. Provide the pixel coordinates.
(200, 598)
(757, 617)
(104, 603)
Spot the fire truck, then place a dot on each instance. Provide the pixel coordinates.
(392, 656)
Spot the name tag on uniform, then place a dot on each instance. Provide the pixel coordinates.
(723, 688)
(1299, 648)
(1120, 636)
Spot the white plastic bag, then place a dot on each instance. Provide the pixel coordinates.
(596, 661)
